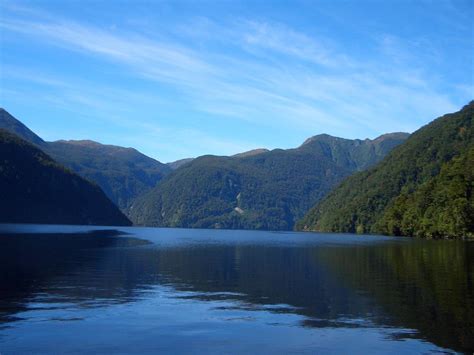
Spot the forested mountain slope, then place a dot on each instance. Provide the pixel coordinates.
(268, 190)
(11, 124)
(36, 189)
(123, 173)
(422, 188)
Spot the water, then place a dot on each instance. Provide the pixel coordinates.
(63, 290)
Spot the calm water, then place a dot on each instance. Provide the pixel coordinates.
(66, 291)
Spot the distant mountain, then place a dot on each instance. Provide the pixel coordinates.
(36, 189)
(178, 163)
(356, 155)
(269, 190)
(424, 187)
(251, 153)
(123, 173)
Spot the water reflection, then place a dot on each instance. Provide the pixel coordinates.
(422, 288)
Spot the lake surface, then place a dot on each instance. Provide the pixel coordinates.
(66, 289)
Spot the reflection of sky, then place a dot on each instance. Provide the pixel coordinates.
(206, 289)
(165, 320)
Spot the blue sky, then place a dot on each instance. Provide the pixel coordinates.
(184, 78)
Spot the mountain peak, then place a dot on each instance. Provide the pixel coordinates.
(327, 137)
(318, 137)
(250, 153)
(107, 165)
(394, 135)
(433, 168)
(37, 189)
(11, 124)
(92, 144)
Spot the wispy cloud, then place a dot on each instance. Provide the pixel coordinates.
(108, 104)
(213, 80)
(274, 75)
(284, 40)
(158, 60)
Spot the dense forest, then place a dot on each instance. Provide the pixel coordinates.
(122, 173)
(36, 189)
(258, 189)
(422, 188)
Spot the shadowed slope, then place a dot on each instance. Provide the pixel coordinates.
(35, 189)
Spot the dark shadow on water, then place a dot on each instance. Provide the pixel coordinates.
(30, 262)
(422, 286)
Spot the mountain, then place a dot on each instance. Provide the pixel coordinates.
(123, 173)
(423, 188)
(36, 189)
(178, 163)
(250, 153)
(11, 124)
(269, 190)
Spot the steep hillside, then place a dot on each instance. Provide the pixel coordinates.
(250, 153)
(178, 163)
(269, 190)
(11, 124)
(123, 173)
(36, 189)
(423, 188)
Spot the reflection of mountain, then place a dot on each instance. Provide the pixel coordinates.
(32, 264)
(422, 286)
(264, 275)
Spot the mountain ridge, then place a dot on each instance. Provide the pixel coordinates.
(423, 188)
(36, 189)
(178, 163)
(11, 124)
(125, 174)
(128, 177)
(250, 153)
(269, 190)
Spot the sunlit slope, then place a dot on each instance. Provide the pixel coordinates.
(269, 190)
(423, 188)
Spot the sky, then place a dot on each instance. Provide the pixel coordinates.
(178, 79)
